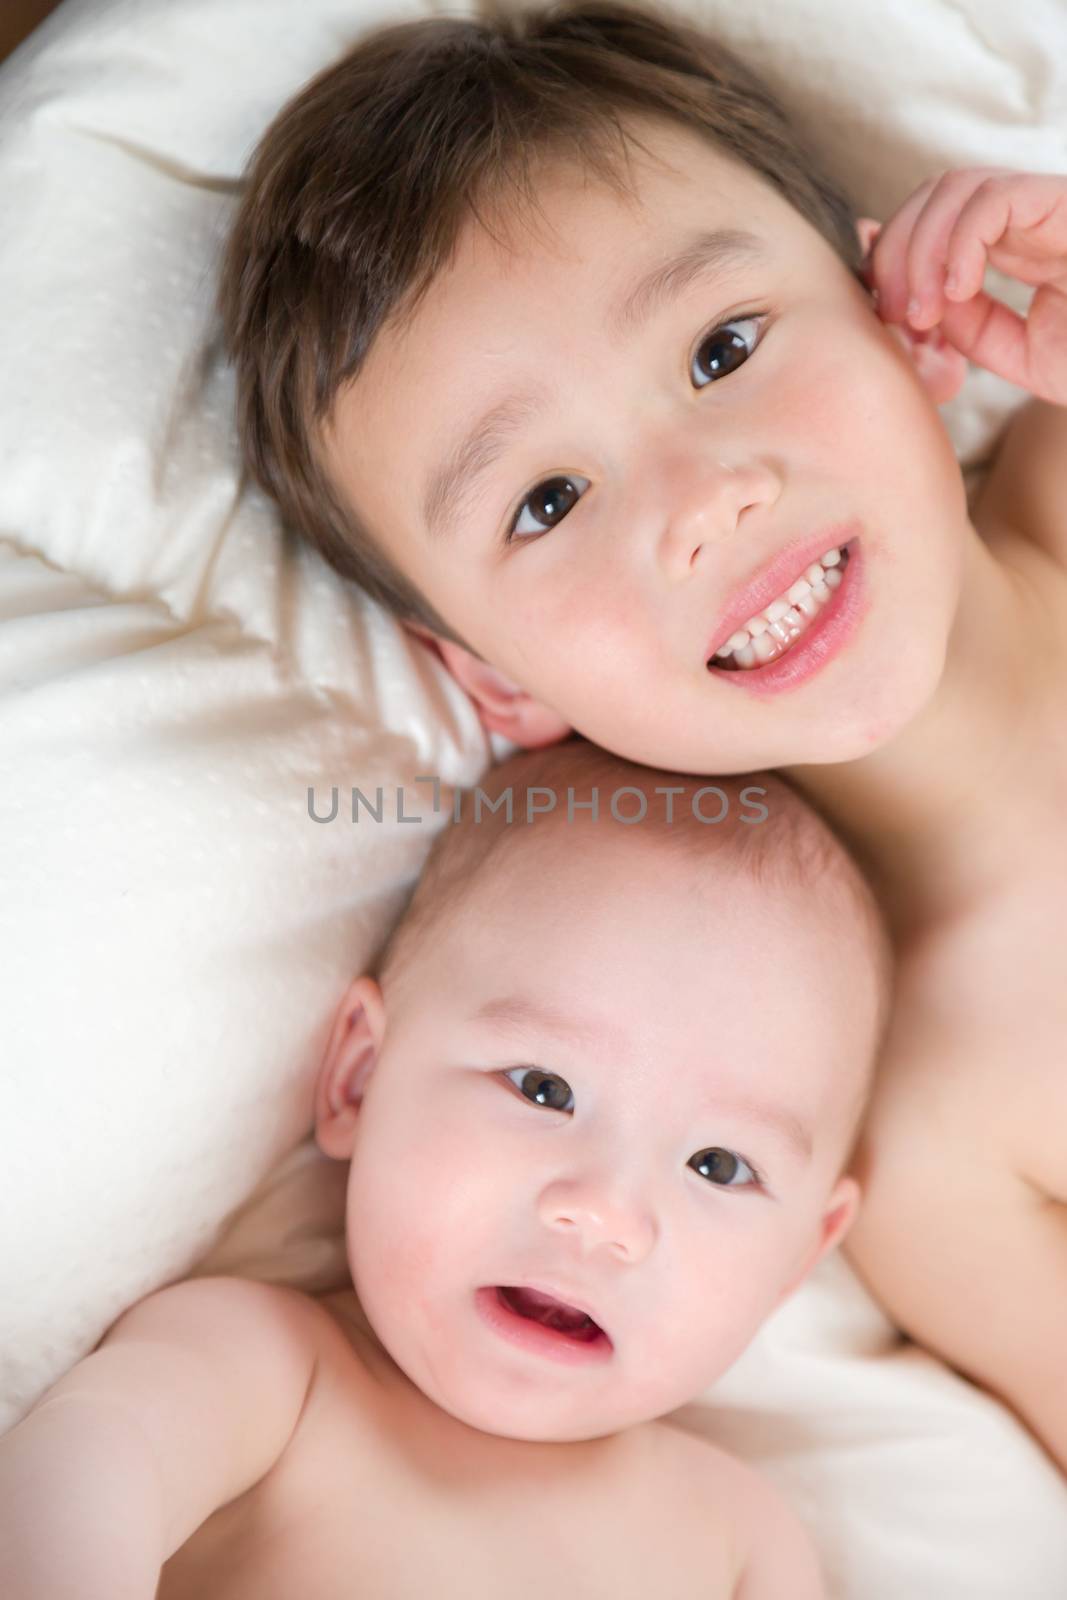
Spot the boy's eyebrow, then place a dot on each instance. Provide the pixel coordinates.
(516, 1014)
(712, 253)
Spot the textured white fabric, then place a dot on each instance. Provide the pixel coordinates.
(175, 672)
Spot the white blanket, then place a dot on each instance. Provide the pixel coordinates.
(175, 673)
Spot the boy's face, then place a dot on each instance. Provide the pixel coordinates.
(657, 471)
(608, 1082)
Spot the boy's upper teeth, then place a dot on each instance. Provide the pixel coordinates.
(815, 582)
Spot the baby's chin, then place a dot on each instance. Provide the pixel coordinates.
(546, 1408)
(542, 1418)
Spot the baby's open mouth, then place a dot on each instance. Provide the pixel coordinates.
(544, 1325)
(775, 630)
(550, 1313)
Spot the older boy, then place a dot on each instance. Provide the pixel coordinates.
(589, 387)
(597, 1125)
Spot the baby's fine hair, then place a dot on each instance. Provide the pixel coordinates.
(357, 193)
(789, 847)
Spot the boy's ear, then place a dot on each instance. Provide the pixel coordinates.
(502, 706)
(837, 1219)
(939, 364)
(349, 1059)
(941, 367)
(867, 231)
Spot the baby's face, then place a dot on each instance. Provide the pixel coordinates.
(617, 1081)
(660, 482)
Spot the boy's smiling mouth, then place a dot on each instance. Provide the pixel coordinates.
(771, 632)
(796, 615)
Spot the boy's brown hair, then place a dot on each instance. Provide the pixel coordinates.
(358, 191)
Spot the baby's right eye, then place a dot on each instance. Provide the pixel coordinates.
(549, 492)
(542, 1088)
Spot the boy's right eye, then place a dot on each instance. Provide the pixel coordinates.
(542, 1088)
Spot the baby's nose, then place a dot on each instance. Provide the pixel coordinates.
(596, 1218)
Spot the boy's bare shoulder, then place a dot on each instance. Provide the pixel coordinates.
(1025, 490)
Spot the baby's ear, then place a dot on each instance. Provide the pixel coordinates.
(836, 1220)
(839, 1216)
(502, 706)
(349, 1059)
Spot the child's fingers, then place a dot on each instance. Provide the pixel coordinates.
(889, 256)
(991, 335)
(928, 246)
(1019, 220)
(963, 218)
(981, 222)
(916, 245)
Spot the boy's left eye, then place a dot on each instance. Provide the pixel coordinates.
(725, 347)
(542, 1088)
(725, 1168)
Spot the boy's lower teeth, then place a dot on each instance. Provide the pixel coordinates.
(779, 636)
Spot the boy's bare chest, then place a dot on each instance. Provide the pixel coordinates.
(396, 1504)
(986, 979)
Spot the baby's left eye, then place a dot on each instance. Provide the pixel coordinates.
(724, 1167)
(542, 1088)
(725, 348)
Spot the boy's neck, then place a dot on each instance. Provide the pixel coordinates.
(916, 811)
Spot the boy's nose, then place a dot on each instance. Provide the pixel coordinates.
(705, 508)
(597, 1219)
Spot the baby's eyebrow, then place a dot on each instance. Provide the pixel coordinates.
(711, 253)
(516, 1014)
(785, 1123)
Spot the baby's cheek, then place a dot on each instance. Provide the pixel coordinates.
(725, 1303)
(419, 1216)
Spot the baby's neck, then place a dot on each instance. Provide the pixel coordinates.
(917, 810)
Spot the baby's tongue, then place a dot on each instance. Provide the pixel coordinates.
(552, 1313)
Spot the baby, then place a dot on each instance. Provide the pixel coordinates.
(598, 1104)
(551, 332)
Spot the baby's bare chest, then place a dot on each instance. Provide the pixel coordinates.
(348, 1513)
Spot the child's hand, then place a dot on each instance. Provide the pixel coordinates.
(935, 250)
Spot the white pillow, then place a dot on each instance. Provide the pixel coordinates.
(175, 673)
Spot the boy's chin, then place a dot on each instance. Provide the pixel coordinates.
(884, 700)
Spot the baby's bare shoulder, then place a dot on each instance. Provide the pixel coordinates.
(771, 1554)
(654, 1509)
